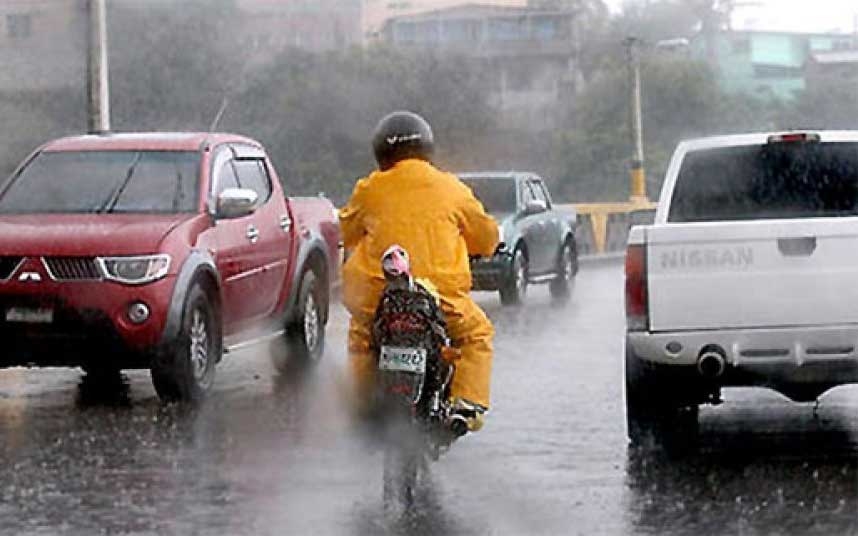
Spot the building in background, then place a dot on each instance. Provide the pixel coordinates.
(377, 12)
(765, 64)
(42, 45)
(528, 55)
(315, 25)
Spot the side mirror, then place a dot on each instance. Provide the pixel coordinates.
(235, 203)
(535, 206)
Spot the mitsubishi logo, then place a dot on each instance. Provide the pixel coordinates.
(34, 277)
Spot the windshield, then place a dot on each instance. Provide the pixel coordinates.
(496, 195)
(104, 181)
(783, 180)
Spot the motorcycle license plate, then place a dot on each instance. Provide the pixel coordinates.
(399, 359)
(29, 316)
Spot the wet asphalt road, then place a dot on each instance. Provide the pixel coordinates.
(269, 455)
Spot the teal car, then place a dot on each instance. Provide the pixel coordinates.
(537, 241)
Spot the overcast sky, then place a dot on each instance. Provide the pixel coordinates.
(792, 15)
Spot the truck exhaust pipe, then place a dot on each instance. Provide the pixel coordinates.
(712, 362)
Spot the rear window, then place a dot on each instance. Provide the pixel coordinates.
(104, 181)
(496, 195)
(778, 180)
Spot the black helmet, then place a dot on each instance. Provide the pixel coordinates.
(402, 135)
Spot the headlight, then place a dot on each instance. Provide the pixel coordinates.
(135, 270)
(501, 241)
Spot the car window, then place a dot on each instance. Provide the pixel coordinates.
(225, 176)
(105, 181)
(252, 175)
(781, 180)
(527, 194)
(496, 195)
(544, 191)
(538, 192)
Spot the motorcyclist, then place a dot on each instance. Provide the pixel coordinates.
(440, 223)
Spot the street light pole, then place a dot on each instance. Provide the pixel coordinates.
(636, 168)
(98, 91)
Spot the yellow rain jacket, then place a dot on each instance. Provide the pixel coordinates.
(439, 222)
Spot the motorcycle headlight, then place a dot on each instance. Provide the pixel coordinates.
(135, 270)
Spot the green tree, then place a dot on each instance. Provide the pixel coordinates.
(317, 112)
(172, 65)
(681, 99)
(829, 102)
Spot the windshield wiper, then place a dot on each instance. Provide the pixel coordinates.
(117, 192)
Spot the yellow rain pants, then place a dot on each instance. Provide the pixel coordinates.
(439, 222)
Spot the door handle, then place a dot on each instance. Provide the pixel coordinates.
(797, 247)
(252, 233)
(285, 223)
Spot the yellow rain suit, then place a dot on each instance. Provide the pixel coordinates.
(439, 222)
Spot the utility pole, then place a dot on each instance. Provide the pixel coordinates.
(98, 91)
(636, 168)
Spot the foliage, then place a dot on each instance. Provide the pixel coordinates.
(828, 102)
(171, 68)
(317, 114)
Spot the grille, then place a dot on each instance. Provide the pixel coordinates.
(72, 268)
(8, 265)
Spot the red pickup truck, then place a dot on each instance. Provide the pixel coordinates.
(160, 251)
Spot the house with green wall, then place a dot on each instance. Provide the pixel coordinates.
(764, 64)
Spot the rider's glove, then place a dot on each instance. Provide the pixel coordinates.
(474, 414)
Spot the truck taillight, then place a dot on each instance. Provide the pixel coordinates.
(637, 306)
(794, 137)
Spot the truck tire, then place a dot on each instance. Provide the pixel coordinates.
(561, 287)
(514, 289)
(304, 340)
(185, 370)
(654, 418)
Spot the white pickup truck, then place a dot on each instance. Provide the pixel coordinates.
(747, 277)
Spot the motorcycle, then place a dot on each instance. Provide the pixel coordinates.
(416, 364)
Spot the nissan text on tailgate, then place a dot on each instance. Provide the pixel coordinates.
(748, 277)
(159, 251)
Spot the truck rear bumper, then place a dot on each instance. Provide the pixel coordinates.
(799, 355)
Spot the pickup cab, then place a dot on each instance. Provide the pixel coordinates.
(537, 241)
(746, 278)
(159, 251)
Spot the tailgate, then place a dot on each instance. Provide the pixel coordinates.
(750, 274)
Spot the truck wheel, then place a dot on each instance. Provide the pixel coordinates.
(185, 370)
(654, 419)
(514, 289)
(305, 337)
(561, 287)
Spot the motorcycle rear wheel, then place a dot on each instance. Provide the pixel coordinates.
(402, 467)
